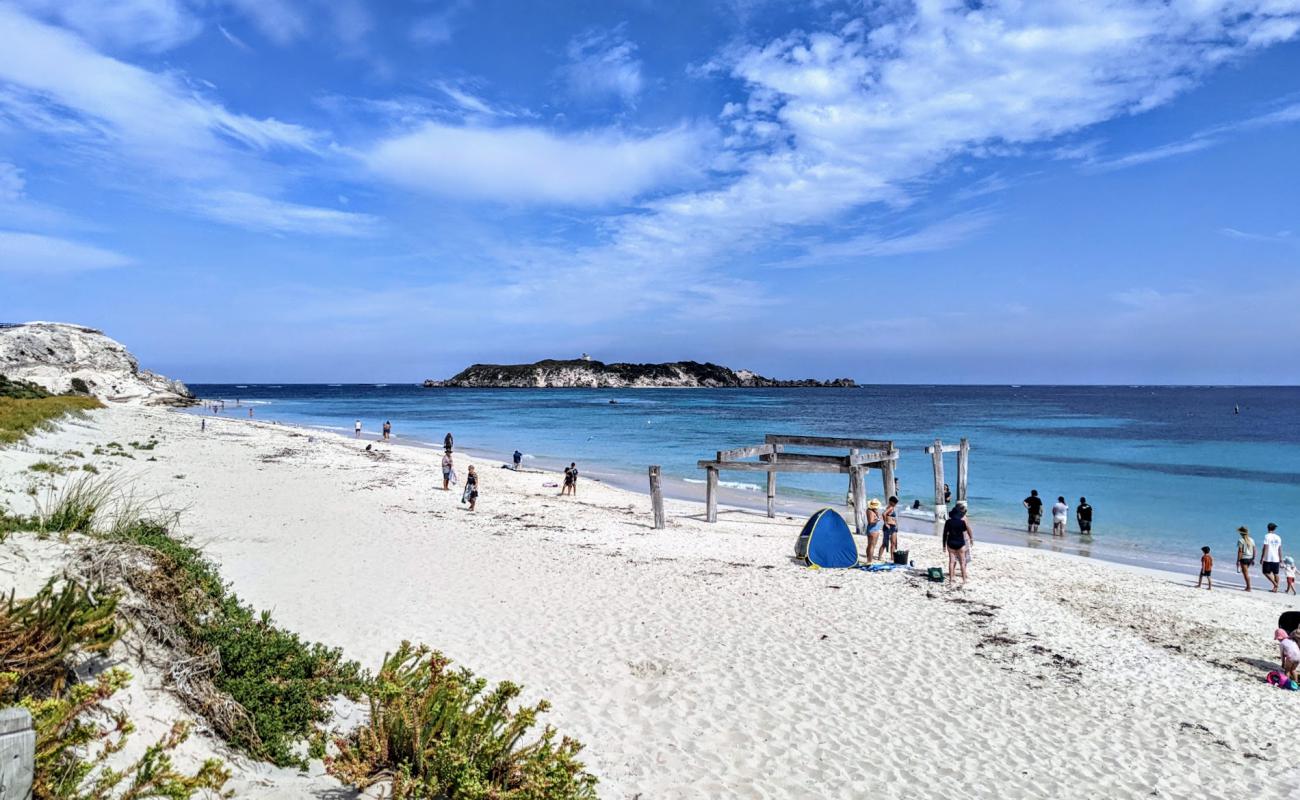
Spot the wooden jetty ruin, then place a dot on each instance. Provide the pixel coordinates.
(775, 455)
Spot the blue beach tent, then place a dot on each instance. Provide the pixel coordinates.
(827, 541)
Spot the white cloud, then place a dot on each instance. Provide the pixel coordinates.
(1281, 237)
(603, 64)
(12, 184)
(434, 29)
(150, 117)
(281, 21)
(47, 255)
(275, 216)
(1201, 140)
(521, 164)
(154, 25)
(941, 235)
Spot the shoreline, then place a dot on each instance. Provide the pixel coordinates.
(680, 489)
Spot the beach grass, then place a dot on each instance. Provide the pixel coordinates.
(20, 416)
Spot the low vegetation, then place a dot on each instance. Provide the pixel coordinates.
(39, 638)
(434, 733)
(26, 407)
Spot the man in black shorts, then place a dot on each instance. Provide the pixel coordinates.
(1034, 504)
(1083, 515)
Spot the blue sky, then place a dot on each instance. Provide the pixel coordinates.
(335, 190)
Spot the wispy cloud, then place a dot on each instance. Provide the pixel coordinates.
(603, 64)
(1281, 237)
(942, 235)
(1209, 137)
(47, 255)
(12, 183)
(524, 164)
(276, 216)
(153, 25)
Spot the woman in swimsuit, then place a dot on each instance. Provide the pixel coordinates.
(957, 536)
(889, 535)
(873, 527)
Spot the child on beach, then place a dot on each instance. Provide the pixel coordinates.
(1290, 652)
(1207, 566)
(471, 488)
(1289, 567)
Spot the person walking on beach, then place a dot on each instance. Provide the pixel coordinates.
(1083, 515)
(518, 458)
(1207, 566)
(446, 442)
(203, 424)
(1288, 566)
(947, 494)
(1034, 504)
(889, 532)
(1245, 554)
(356, 429)
(1060, 512)
(447, 471)
(570, 480)
(471, 488)
(1270, 557)
(874, 524)
(388, 428)
(957, 539)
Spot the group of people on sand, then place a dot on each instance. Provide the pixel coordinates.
(1060, 514)
(1273, 563)
(470, 493)
(882, 530)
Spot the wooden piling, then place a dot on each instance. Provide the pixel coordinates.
(657, 497)
(711, 494)
(771, 494)
(887, 477)
(940, 508)
(17, 753)
(963, 461)
(859, 502)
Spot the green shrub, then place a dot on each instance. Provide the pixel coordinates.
(38, 634)
(48, 467)
(91, 468)
(435, 734)
(22, 390)
(283, 683)
(78, 505)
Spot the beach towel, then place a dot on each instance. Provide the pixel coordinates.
(878, 567)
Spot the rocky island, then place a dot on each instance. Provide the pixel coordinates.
(586, 373)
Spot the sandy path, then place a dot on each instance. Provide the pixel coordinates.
(701, 662)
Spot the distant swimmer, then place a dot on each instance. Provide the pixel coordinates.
(250, 411)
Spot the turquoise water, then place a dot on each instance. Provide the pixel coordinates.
(1166, 469)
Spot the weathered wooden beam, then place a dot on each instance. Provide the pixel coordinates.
(17, 753)
(944, 448)
(771, 495)
(887, 473)
(829, 442)
(963, 462)
(940, 507)
(773, 466)
(746, 452)
(859, 504)
(711, 495)
(656, 497)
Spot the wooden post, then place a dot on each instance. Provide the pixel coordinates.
(711, 495)
(963, 461)
(17, 753)
(887, 477)
(940, 508)
(656, 497)
(771, 494)
(859, 503)
(853, 477)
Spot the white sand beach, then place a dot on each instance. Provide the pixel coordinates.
(701, 660)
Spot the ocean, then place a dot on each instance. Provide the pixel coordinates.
(1166, 469)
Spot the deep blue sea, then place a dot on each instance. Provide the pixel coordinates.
(1166, 469)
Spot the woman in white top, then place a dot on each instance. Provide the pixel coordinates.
(1059, 513)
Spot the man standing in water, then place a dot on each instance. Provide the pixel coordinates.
(1034, 504)
(356, 429)
(1083, 515)
(388, 428)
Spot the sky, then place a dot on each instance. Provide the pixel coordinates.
(1045, 191)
